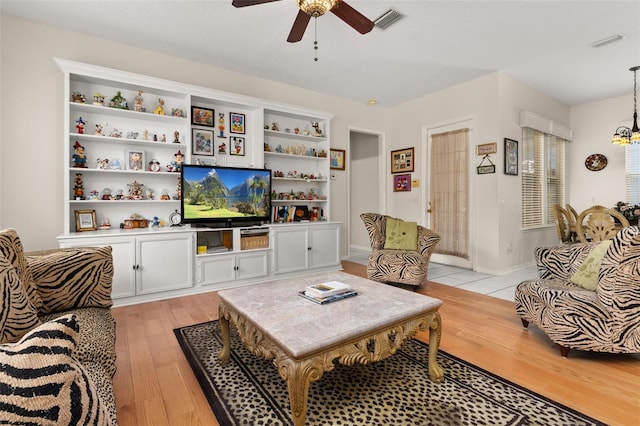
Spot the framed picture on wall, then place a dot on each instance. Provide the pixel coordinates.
(336, 158)
(202, 142)
(237, 122)
(402, 183)
(402, 160)
(510, 157)
(236, 145)
(201, 116)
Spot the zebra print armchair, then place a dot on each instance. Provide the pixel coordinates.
(604, 320)
(404, 268)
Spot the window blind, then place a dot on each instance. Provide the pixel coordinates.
(543, 177)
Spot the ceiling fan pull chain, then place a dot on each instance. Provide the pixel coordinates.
(315, 39)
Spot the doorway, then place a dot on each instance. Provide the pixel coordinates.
(446, 166)
(365, 167)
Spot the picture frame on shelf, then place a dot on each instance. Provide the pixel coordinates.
(236, 146)
(402, 161)
(301, 214)
(487, 148)
(337, 158)
(237, 123)
(202, 116)
(202, 142)
(510, 157)
(86, 220)
(402, 182)
(135, 160)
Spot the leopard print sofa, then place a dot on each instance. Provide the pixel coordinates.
(57, 335)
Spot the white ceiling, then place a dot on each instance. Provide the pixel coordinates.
(545, 44)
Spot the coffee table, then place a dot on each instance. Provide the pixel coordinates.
(304, 339)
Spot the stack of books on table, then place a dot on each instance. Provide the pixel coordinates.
(328, 292)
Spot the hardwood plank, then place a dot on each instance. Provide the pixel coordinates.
(155, 385)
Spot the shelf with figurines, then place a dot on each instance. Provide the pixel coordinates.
(136, 192)
(309, 196)
(306, 134)
(298, 177)
(298, 151)
(102, 133)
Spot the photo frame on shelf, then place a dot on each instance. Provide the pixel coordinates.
(337, 158)
(236, 145)
(402, 160)
(510, 157)
(86, 220)
(202, 116)
(237, 123)
(487, 148)
(402, 183)
(301, 214)
(202, 142)
(135, 160)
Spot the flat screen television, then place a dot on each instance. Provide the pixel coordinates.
(218, 196)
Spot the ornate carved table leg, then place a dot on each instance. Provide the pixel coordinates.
(436, 373)
(299, 375)
(225, 353)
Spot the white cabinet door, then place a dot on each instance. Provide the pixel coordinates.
(216, 269)
(164, 262)
(291, 244)
(123, 251)
(325, 246)
(252, 265)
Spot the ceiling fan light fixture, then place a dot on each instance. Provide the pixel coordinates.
(316, 8)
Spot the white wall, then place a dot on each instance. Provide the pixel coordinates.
(31, 179)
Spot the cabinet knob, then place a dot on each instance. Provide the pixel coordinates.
(308, 248)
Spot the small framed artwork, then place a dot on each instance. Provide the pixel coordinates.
(402, 160)
(237, 123)
(135, 160)
(336, 157)
(301, 214)
(202, 142)
(86, 220)
(510, 157)
(487, 148)
(201, 116)
(402, 183)
(236, 145)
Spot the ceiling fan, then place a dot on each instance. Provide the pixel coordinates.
(315, 8)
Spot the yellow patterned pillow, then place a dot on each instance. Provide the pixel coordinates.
(401, 235)
(587, 274)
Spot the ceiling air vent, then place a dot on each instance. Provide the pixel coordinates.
(387, 19)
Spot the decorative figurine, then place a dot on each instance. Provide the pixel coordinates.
(80, 125)
(160, 108)
(98, 131)
(103, 163)
(106, 194)
(221, 125)
(98, 99)
(155, 223)
(178, 190)
(94, 195)
(176, 165)
(78, 188)
(119, 195)
(78, 98)
(222, 148)
(316, 127)
(138, 103)
(176, 137)
(164, 195)
(177, 112)
(118, 101)
(275, 127)
(79, 159)
(163, 138)
(105, 223)
(132, 135)
(135, 190)
(115, 133)
(149, 194)
(145, 134)
(154, 165)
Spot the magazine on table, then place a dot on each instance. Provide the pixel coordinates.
(330, 299)
(327, 289)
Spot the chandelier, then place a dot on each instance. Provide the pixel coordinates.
(623, 134)
(316, 8)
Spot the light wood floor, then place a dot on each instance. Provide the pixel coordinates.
(154, 384)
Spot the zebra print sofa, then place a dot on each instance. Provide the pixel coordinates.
(57, 335)
(604, 320)
(403, 268)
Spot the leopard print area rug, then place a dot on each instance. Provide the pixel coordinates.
(397, 391)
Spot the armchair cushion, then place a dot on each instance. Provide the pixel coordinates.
(17, 314)
(401, 235)
(73, 278)
(587, 274)
(11, 248)
(42, 384)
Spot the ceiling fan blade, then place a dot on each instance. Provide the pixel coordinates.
(243, 3)
(299, 27)
(355, 19)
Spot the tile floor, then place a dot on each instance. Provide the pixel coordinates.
(501, 286)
